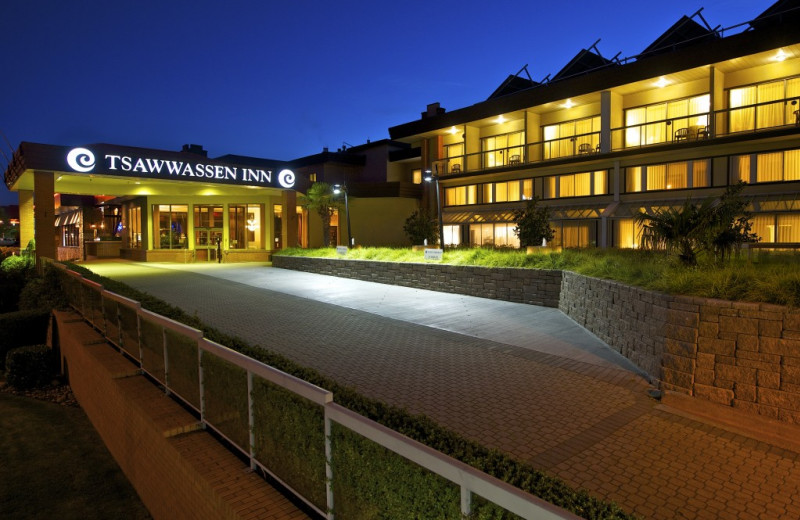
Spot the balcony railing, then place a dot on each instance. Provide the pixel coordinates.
(686, 129)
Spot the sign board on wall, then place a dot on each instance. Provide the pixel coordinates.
(157, 164)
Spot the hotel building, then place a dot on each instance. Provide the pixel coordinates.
(697, 110)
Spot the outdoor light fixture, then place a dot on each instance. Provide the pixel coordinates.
(337, 189)
(430, 176)
(662, 82)
(781, 56)
(500, 119)
(452, 131)
(568, 104)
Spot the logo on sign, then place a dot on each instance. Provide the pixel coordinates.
(81, 160)
(286, 178)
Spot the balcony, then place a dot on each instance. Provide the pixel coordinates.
(750, 119)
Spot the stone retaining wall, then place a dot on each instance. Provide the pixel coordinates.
(531, 286)
(742, 355)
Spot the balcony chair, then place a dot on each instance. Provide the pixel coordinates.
(703, 133)
(514, 159)
(456, 168)
(585, 148)
(682, 134)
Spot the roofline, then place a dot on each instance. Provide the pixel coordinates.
(704, 53)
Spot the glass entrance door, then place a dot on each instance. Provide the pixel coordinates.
(207, 232)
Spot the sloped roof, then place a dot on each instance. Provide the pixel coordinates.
(512, 83)
(780, 12)
(684, 32)
(584, 61)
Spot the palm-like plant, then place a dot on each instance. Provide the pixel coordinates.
(714, 225)
(319, 198)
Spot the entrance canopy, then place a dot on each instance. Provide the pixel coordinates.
(123, 170)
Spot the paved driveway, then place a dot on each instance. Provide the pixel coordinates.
(522, 379)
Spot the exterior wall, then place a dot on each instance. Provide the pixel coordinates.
(378, 221)
(25, 217)
(741, 355)
(535, 287)
(44, 217)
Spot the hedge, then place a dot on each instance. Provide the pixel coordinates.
(30, 367)
(22, 328)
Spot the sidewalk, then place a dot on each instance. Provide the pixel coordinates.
(522, 379)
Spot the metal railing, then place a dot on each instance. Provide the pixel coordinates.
(753, 118)
(247, 403)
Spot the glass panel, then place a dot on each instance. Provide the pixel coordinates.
(764, 227)
(789, 228)
(501, 192)
(487, 194)
(601, 182)
(791, 165)
(236, 226)
(633, 132)
(772, 114)
(626, 238)
(130, 330)
(656, 177)
(452, 235)
(171, 222)
(740, 168)
(583, 184)
(527, 188)
(743, 119)
(254, 226)
(633, 179)
(566, 186)
(700, 174)
(513, 190)
(677, 176)
(770, 166)
(550, 187)
(472, 194)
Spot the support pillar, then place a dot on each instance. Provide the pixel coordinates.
(25, 217)
(44, 214)
(289, 220)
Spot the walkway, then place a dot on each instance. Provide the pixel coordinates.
(518, 378)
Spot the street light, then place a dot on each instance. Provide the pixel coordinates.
(337, 189)
(429, 176)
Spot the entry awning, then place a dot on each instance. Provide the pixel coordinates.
(68, 219)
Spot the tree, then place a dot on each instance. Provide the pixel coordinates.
(421, 226)
(715, 225)
(319, 198)
(533, 224)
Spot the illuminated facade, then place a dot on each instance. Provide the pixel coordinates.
(152, 205)
(697, 110)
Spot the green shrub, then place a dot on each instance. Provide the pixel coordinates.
(14, 274)
(43, 292)
(30, 367)
(22, 328)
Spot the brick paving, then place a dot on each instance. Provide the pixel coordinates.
(586, 418)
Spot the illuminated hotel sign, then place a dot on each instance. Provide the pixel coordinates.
(107, 160)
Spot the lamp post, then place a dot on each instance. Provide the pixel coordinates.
(337, 189)
(429, 176)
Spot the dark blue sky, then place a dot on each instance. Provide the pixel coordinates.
(283, 79)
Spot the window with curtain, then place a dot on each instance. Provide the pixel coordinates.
(576, 185)
(627, 234)
(452, 235)
(763, 105)
(245, 226)
(170, 222)
(633, 179)
(454, 153)
(564, 139)
(657, 123)
(527, 188)
(671, 176)
(769, 167)
(499, 150)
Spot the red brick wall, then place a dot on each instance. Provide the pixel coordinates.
(179, 471)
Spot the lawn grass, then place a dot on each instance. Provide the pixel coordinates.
(54, 465)
(766, 277)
